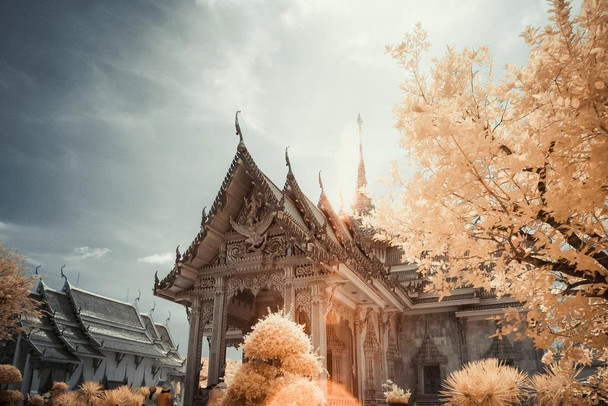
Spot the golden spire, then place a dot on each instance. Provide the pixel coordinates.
(361, 178)
(362, 203)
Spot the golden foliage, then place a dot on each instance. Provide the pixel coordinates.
(394, 394)
(59, 386)
(280, 355)
(510, 189)
(9, 374)
(89, 392)
(252, 384)
(299, 392)
(559, 386)
(66, 399)
(14, 294)
(10, 396)
(485, 383)
(276, 337)
(36, 400)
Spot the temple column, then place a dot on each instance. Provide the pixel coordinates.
(191, 383)
(384, 327)
(360, 331)
(217, 345)
(289, 294)
(318, 327)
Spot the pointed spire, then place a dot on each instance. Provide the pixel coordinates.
(362, 203)
(361, 178)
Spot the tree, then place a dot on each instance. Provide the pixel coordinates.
(15, 299)
(281, 368)
(510, 189)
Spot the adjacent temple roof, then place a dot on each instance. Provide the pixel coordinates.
(317, 229)
(77, 324)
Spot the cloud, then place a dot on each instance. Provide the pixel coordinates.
(157, 258)
(3, 226)
(88, 252)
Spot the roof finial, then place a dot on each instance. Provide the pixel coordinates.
(177, 254)
(321, 183)
(138, 296)
(36, 270)
(63, 275)
(238, 127)
(288, 163)
(204, 216)
(168, 318)
(152, 309)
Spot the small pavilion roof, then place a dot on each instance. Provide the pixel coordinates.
(77, 324)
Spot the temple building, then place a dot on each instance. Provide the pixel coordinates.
(263, 246)
(83, 337)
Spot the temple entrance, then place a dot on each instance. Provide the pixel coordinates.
(340, 361)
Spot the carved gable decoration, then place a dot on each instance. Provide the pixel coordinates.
(502, 350)
(430, 354)
(254, 221)
(370, 344)
(333, 342)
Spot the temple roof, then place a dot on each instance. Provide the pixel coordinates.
(77, 324)
(44, 337)
(293, 212)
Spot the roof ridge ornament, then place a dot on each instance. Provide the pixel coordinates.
(36, 270)
(204, 217)
(63, 275)
(321, 183)
(238, 127)
(288, 164)
(138, 296)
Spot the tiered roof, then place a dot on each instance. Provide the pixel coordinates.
(77, 324)
(333, 237)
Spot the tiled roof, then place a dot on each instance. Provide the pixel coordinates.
(79, 324)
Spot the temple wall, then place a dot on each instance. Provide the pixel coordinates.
(444, 331)
(478, 341)
(442, 327)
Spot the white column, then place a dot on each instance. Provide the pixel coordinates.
(289, 294)
(191, 383)
(360, 331)
(318, 328)
(218, 334)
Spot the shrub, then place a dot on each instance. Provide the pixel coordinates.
(486, 383)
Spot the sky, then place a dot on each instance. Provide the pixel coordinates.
(117, 117)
